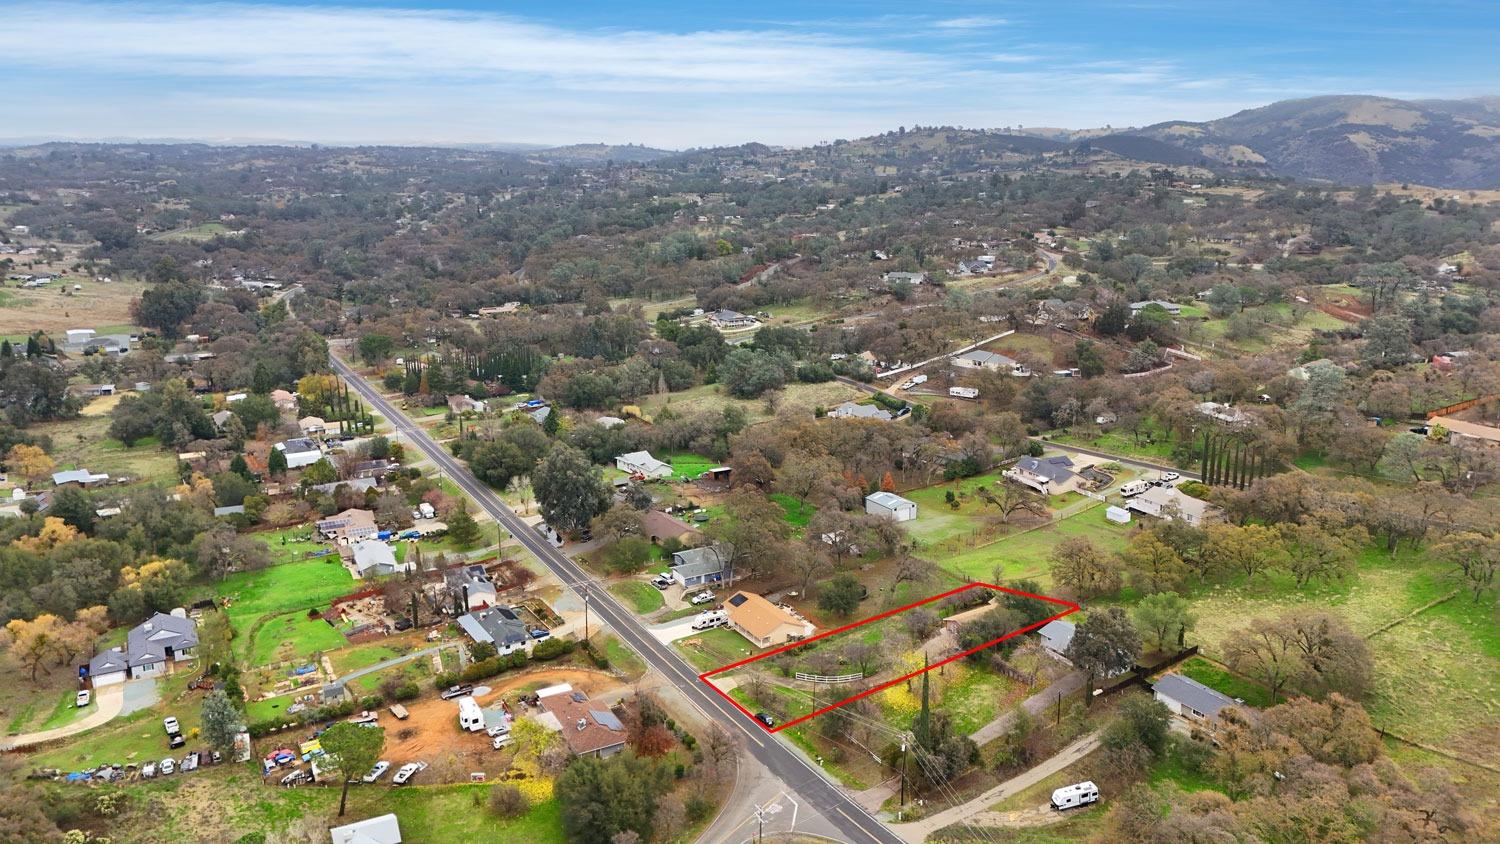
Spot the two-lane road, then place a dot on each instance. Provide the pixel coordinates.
(799, 775)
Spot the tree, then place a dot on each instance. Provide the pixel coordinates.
(1387, 342)
(1334, 658)
(1012, 498)
(628, 554)
(276, 463)
(222, 721)
(30, 642)
(1247, 550)
(374, 348)
(352, 750)
(462, 528)
(1163, 618)
(507, 801)
(1103, 645)
(841, 595)
(1316, 552)
(1153, 565)
(569, 489)
(1082, 568)
(746, 372)
(166, 306)
(30, 462)
(1140, 720)
(1267, 651)
(602, 797)
(1475, 558)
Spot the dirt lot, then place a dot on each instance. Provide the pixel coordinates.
(55, 308)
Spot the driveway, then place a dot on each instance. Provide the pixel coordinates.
(108, 700)
(671, 631)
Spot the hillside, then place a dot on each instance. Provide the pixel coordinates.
(597, 153)
(1354, 140)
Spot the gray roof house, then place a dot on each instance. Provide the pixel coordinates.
(470, 585)
(1170, 307)
(697, 566)
(1191, 699)
(499, 626)
(150, 646)
(852, 410)
(373, 558)
(1056, 635)
(82, 477)
(980, 359)
(1047, 475)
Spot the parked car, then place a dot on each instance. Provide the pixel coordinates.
(703, 597)
(498, 730)
(407, 771)
(539, 634)
(171, 725)
(83, 698)
(661, 581)
(399, 711)
(501, 741)
(765, 719)
(458, 691)
(167, 766)
(190, 762)
(148, 770)
(175, 741)
(378, 771)
(1168, 477)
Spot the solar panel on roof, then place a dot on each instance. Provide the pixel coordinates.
(580, 697)
(737, 600)
(605, 718)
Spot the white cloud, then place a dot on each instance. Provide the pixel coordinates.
(1013, 58)
(970, 23)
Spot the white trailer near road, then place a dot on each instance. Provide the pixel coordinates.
(963, 392)
(1071, 796)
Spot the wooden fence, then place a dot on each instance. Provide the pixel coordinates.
(820, 678)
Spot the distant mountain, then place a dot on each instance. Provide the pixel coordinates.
(598, 153)
(1350, 140)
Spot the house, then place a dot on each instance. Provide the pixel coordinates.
(464, 404)
(1054, 310)
(373, 558)
(1170, 307)
(99, 390)
(765, 624)
(722, 319)
(300, 452)
(151, 649)
(889, 505)
(222, 418)
(643, 464)
(659, 527)
(980, 359)
(1228, 414)
(1164, 502)
(231, 510)
(470, 588)
(80, 336)
(698, 566)
(284, 401)
(1187, 698)
(351, 525)
(1460, 431)
(588, 728)
(382, 829)
(312, 426)
(498, 626)
(376, 469)
(1056, 635)
(353, 484)
(539, 415)
(231, 398)
(914, 279)
(82, 477)
(1047, 475)
(853, 410)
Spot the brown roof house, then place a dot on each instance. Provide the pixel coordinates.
(659, 527)
(764, 623)
(588, 727)
(348, 526)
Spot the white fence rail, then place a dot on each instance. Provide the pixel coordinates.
(819, 678)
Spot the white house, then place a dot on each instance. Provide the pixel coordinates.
(373, 558)
(889, 505)
(1170, 307)
(1228, 414)
(1164, 502)
(914, 279)
(854, 410)
(980, 359)
(382, 829)
(642, 463)
(151, 649)
(80, 335)
(1189, 699)
(300, 452)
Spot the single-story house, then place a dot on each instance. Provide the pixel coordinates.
(1047, 475)
(731, 319)
(470, 587)
(1056, 635)
(539, 415)
(353, 484)
(697, 566)
(1460, 430)
(221, 419)
(1228, 414)
(854, 410)
(99, 390)
(151, 648)
(642, 463)
(499, 626)
(82, 477)
(373, 558)
(1164, 502)
(465, 404)
(914, 279)
(283, 400)
(588, 728)
(889, 505)
(382, 829)
(980, 359)
(300, 452)
(312, 426)
(1170, 307)
(765, 624)
(351, 525)
(80, 335)
(659, 527)
(1187, 698)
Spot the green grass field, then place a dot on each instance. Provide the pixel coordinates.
(1121, 442)
(795, 513)
(709, 649)
(687, 466)
(204, 231)
(281, 590)
(83, 443)
(1024, 555)
(709, 398)
(643, 598)
(936, 521)
(292, 637)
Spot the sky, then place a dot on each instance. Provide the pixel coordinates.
(677, 74)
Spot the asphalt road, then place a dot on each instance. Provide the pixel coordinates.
(799, 775)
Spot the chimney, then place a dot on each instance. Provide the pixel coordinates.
(582, 724)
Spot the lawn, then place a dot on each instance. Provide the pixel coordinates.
(282, 590)
(67, 711)
(709, 398)
(710, 649)
(688, 466)
(795, 513)
(292, 637)
(642, 597)
(83, 443)
(1024, 555)
(974, 699)
(1154, 445)
(354, 658)
(204, 231)
(623, 659)
(937, 521)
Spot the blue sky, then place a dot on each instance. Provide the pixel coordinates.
(680, 74)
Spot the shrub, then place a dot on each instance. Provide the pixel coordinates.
(551, 649)
(444, 680)
(370, 702)
(1194, 489)
(507, 801)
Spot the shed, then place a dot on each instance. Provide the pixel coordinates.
(889, 505)
(1118, 515)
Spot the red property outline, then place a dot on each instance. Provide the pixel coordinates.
(1071, 608)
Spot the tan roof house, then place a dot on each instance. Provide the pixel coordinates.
(764, 623)
(312, 426)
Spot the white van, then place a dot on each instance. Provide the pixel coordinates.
(1073, 796)
(1134, 488)
(710, 619)
(553, 537)
(470, 716)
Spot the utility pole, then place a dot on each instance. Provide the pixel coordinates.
(585, 617)
(903, 773)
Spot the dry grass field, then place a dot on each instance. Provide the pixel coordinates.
(56, 308)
